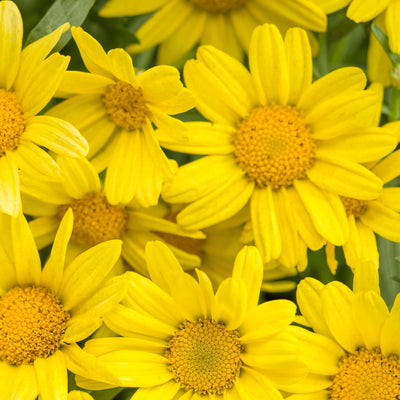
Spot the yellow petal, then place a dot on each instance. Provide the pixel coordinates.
(163, 88)
(346, 178)
(56, 135)
(370, 313)
(52, 378)
(230, 303)
(332, 84)
(18, 382)
(52, 273)
(121, 65)
(25, 253)
(248, 267)
(10, 200)
(268, 65)
(362, 11)
(389, 168)
(392, 25)
(87, 271)
(10, 43)
(80, 177)
(391, 330)
(299, 61)
(326, 212)
(337, 302)
(93, 55)
(120, 8)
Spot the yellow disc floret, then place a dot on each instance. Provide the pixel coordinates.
(367, 375)
(12, 121)
(204, 356)
(126, 105)
(32, 324)
(274, 146)
(218, 5)
(353, 206)
(95, 219)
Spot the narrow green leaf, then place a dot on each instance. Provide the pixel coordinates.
(389, 269)
(383, 40)
(61, 11)
(108, 394)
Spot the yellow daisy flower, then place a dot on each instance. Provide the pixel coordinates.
(182, 341)
(115, 110)
(226, 24)
(289, 146)
(354, 353)
(96, 219)
(45, 311)
(28, 81)
(379, 215)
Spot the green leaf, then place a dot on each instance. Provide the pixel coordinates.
(383, 40)
(108, 394)
(389, 269)
(72, 11)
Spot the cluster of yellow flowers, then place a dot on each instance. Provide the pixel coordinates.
(155, 270)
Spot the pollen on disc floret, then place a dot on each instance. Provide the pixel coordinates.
(32, 324)
(367, 375)
(12, 121)
(204, 356)
(126, 105)
(218, 5)
(273, 144)
(95, 219)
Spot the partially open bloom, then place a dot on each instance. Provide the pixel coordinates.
(287, 145)
(182, 341)
(226, 24)
(97, 220)
(115, 110)
(354, 353)
(29, 79)
(45, 311)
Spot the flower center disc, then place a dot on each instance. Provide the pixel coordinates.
(353, 206)
(218, 5)
(32, 324)
(367, 375)
(205, 357)
(274, 146)
(95, 219)
(126, 105)
(12, 121)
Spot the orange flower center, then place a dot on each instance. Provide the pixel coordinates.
(353, 206)
(32, 324)
(204, 357)
(126, 105)
(274, 146)
(218, 5)
(12, 121)
(367, 375)
(95, 219)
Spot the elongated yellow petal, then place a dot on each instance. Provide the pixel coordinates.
(299, 61)
(391, 330)
(120, 8)
(10, 199)
(121, 66)
(52, 273)
(10, 43)
(25, 253)
(268, 65)
(52, 377)
(86, 272)
(56, 135)
(18, 382)
(361, 11)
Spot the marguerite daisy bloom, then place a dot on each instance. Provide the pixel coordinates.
(28, 81)
(45, 311)
(354, 353)
(226, 24)
(96, 219)
(289, 146)
(182, 341)
(115, 110)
